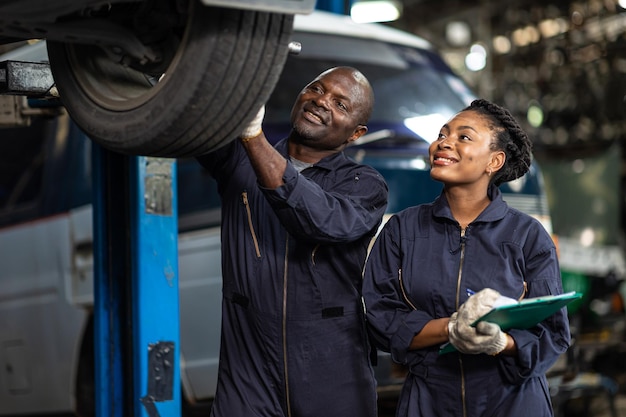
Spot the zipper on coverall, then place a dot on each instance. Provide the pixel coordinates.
(285, 364)
(246, 203)
(458, 292)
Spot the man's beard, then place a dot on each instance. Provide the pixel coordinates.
(303, 134)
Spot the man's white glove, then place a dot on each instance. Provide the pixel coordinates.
(485, 338)
(480, 339)
(253, 129)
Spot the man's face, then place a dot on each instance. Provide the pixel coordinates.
(327, 112)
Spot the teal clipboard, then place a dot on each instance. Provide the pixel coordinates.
(523, 314)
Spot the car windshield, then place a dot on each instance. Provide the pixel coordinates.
(415, 92)
(408, 180)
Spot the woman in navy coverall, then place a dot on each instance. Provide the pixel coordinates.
(297, 220)
(425, 259)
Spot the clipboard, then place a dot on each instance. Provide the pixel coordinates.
(523, 314)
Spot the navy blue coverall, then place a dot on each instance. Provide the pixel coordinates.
(294, 341)
(419, 267)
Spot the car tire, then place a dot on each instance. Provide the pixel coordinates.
(224, 68)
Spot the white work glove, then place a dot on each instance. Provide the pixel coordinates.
(253, 129)
(485, 338)
(468, 339)
(477, 306)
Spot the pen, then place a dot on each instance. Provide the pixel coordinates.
(469, 292)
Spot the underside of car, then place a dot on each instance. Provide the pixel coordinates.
(168, 78)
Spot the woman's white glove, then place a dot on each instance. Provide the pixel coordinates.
(485, 337)
(477, 305)
(253, 129)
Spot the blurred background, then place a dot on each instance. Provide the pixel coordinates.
(560, 67)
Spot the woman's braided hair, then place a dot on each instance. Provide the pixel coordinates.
(510, 138)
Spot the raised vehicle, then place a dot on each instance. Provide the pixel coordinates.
(158, 77)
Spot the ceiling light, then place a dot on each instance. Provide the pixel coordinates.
(367, 11)
(501, 44)
(458, 33)
(476, 59)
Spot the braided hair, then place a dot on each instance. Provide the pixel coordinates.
(510, 138)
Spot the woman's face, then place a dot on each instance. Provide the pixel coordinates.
(462, 153)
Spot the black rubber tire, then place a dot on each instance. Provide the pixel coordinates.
(225, 68)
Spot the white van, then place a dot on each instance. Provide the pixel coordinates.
(46, 282)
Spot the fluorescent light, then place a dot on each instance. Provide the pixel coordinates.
(375, 11)
(427, 126)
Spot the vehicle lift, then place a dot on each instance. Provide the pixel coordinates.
(135, 232)
(136, 299)
(136, 281)
(136, 303)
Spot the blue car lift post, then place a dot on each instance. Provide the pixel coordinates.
(334, 6)
(135, 286)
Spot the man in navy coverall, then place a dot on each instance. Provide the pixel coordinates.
(297, 219)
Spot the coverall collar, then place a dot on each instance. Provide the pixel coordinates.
(328, 163)
(496, 210)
